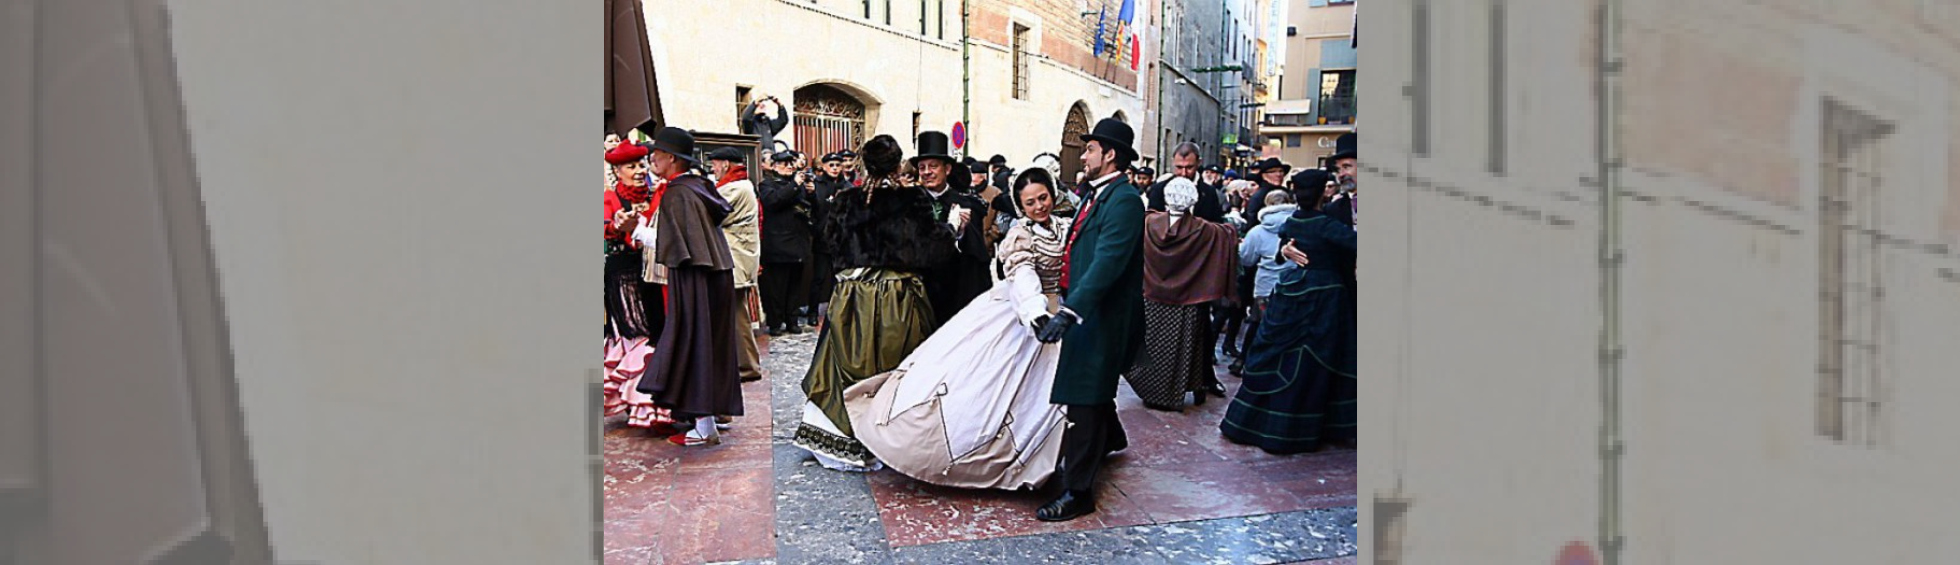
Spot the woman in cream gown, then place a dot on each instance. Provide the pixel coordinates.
(969, 408)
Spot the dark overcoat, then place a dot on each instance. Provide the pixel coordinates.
(1105, 288)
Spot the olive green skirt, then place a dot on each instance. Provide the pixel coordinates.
(876, 318)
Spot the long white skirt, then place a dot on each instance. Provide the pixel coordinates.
(969, 408)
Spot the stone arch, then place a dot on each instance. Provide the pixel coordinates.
(828, 116)
(1074, 125)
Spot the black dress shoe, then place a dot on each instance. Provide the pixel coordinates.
(794, 330)
(1232, 352)
(1067, 507)
(1215, 389)
(775, 331)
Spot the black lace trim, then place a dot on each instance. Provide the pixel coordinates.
(833, 446)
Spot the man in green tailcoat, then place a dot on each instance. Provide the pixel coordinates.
(1100, 324)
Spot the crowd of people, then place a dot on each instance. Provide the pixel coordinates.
(973, 321)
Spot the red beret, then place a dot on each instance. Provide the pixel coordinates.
(626, 153)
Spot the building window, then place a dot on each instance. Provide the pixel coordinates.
(1850, 287)
(1020, 62)
(1292, 140)
(942, 19)
(917, 120)
(743, 96)
(867, 9)
(1339, 2)
(1337, 97)
(923, 30)
(888, 12)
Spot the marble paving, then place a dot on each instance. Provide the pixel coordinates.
(1179, 494)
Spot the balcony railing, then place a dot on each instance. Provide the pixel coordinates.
(1336, 110)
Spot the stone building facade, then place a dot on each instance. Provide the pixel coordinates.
(1199, 104)
(853, 69)
(1790, 291)
(1313, 100)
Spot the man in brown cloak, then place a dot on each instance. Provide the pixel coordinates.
(692, 370)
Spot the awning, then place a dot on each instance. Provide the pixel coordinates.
(632, 94)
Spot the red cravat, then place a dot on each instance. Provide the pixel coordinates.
(1075, 229)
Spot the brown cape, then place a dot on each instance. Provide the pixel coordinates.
(1188, 263)
(692, 369)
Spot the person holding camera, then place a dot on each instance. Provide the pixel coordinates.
(764, 119)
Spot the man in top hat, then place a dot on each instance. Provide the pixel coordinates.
(743, 231)
(692, 370)
(1100, 324)
(1271, 176)
(1184, 164)
(1344, 164)
(951, 286)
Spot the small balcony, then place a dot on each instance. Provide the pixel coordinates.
(1335, 110)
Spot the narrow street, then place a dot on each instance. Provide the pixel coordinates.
(1179, 494)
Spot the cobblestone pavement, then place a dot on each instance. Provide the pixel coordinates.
(1179, 494)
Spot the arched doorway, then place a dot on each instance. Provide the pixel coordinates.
(827, 119)
(1073, 128)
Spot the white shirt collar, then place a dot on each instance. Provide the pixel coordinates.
(1103, 183)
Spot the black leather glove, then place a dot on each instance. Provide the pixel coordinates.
(1038, 323)
(1056, 327)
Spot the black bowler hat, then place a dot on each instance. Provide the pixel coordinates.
(1114, 134)
(934, 145)
(677, 142)
(1271, 163)
(972, 164)
(728, 154)
(1344, 147)
(998, 160)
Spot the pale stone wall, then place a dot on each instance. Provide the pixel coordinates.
(777, 46)
(1490, 424)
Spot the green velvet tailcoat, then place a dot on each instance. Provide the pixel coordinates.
(1104, 287)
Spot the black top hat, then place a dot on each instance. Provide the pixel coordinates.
(1269, 164)
(934, 145)
(1344, 147)
(729, 154)
(1114, 134)
(677, 142)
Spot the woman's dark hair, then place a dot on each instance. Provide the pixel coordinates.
(1309, 187)
(1038, 176)
(881, 157)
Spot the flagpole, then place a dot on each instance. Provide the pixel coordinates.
(966, 74)
(1163, 7)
